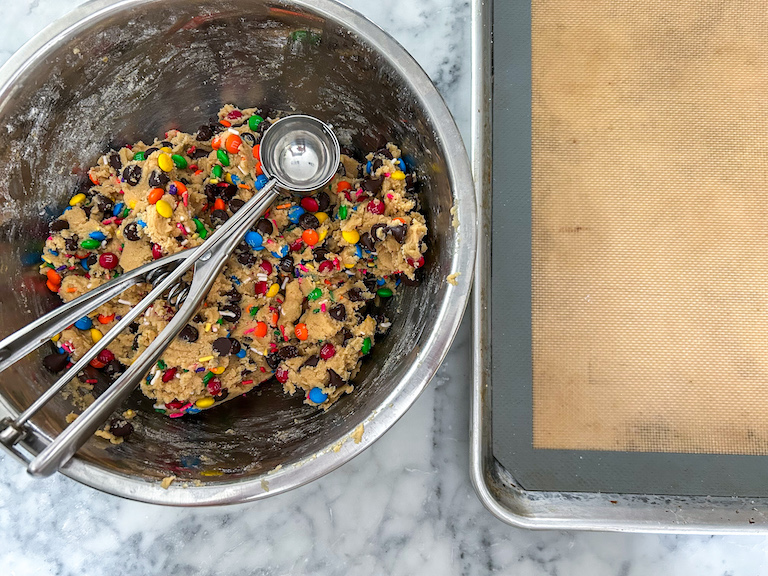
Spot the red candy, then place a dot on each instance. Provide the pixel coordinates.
(297, 245)
(261, 288)
(281, 375)
(157, 252)
(234, 114)
(105, 357)
(214, 386)
(169, 374)
(175, 404)
(266, 266)
(325, 266)
(376, 207)
(108, 260)
(310, 204)
(415, 263)
(327, 351)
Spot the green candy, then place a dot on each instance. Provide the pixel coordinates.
(254, 121)
(223, 157)
(200, 228)
(366, 346)
(139, 156)
(253, 311)
(385, 292)
(207, 377)
(126, 211)
(342, 212)
(217, 171)
(178, 161)
(161, 364)
(315, 294)
(90, 243)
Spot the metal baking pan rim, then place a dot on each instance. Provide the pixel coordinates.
(495, 486)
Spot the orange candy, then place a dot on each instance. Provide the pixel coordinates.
(51, 286)
(219, 204)
(180, 187)
(302, 333)
(256, 151)
(233, 143)
(310, 237)
(106, 319)
(343, 185)
(96, 363)
(53, 277)
(154, 195)
(261, 330)
(216, 143)
(258, 169)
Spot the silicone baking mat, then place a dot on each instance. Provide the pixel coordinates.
(646, 231)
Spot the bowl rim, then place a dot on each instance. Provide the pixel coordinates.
(428, 359)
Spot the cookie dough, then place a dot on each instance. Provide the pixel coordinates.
(300, 299)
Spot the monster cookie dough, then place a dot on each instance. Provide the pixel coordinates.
(300, 298)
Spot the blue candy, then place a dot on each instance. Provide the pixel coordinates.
(54, 252)
(368, 167)
(84, 264)
(97, 235)
(401, 164)
(193, 410)
(295, 213)
(283, 252)
(84, 323)
(254, 240)
(358, 251)
(141, 223)
(317, 396)
(118, 209)
(381, 281)
(261, 181)
(236, 179)
(241, 354)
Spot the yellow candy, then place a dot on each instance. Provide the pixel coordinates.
(322, 235)
(166, 149)
(76, 199)
(164, 209)
(273, 290)
(351, 236)
(96, 335)
(205, 402)
(56, 338)
(214, 180)
(165, 162)
(205, 359)
(398, 175)
(207, 326)
(228, 178)
(321, 217)
(352, 265)
(217, 370)
(132, 204)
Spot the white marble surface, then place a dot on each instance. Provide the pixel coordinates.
(403, 507)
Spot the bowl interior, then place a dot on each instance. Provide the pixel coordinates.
(146, 67)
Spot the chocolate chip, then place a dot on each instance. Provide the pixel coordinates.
(398, 232)
(166, 144)
(384, 151)
(120, 428)
(355, 294)
(218, 217)
(234, 309)
(132, 174)
(210, 191)
(236, 346)
(376, 164)
(71, 243)
(346, 336)
(286, 264)
(55, 362)
(114, 368)
(104, 204)
(373, 185)
(367, 242)
(308, 220)
(264, 226)
(370, 284)
(223, 346)
(204, 133)
(59, 225)
(158, 179)
(273, 360)
(227, 192)
(235, 204)
(189, 333)
(198, 153)
(246, 258)
(341, 171)
(338, 312)
(249, 138)
(319, 254)
(410, 183)
(133, 327)
(114, 160)
(323, 201)
(92, 260)
(149, 151)
(233, 295)
(131, 232)
(87, 210)
(379, 232)
(311, 362)
(287, 352)
(222, 395)
(335, 380)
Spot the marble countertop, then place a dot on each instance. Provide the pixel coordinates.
(403, 507)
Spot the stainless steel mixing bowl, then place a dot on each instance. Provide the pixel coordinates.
(111, 73)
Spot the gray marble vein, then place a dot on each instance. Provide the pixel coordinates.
(403, 507)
